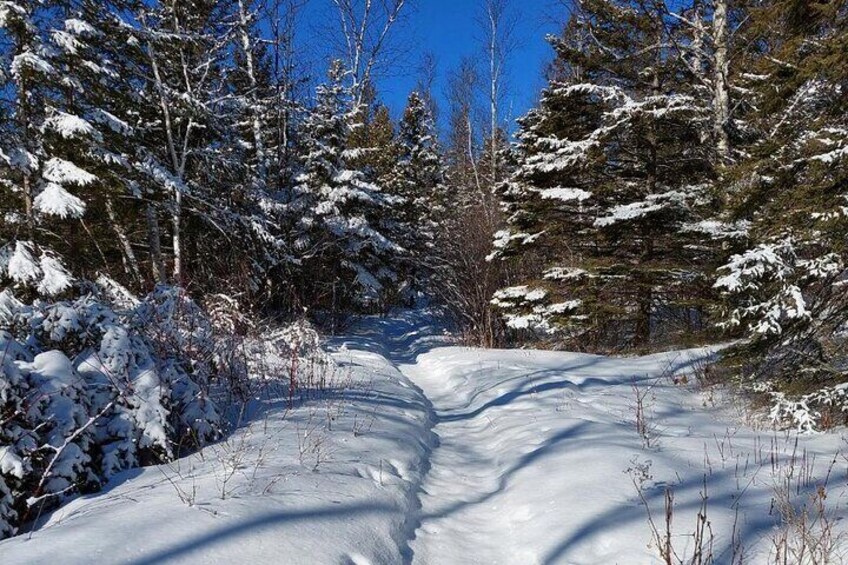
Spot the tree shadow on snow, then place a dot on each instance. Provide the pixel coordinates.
(272, 520)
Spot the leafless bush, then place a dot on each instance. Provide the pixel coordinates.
(806, 535)
(312, 442)
(465, 281)
(663, 538)
(643, 401)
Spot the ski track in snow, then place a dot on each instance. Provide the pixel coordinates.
(462, 456)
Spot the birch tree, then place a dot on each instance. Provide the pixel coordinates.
(365, 28)
(183, 56)
(498, 21)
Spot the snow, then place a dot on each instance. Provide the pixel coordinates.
(10, 463)
(534, 447)
(70, 126)
(565, 194)
(635, 210)
(523, 292)
(30, 61)
(425, 453)
(113, 122)
(22, 266)
(9, 11)
(66, 41)
(54, 200)
(79, 27)
(46, 273)
(565, 273)
(719, 230)
(331, 481)
(61, 171)
(54, 367)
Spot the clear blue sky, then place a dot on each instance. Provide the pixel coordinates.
(449, 30)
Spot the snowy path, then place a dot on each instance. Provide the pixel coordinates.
(537, 453)
(437, 455)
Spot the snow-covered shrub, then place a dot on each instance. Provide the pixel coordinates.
(15, 439)
(87, 391)
(45, 445)
(182, 336)
(231, 327)
(291, 354)
(810, 412)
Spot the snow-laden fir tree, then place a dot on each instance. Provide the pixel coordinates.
(338, 209)
(418, 184)
(612, 183)
(50, 141)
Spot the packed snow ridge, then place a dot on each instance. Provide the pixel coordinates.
(420, 452)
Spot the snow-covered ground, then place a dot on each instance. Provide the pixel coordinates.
(449, 455)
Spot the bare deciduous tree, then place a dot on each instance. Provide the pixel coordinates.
(498, 22)
(366, 27)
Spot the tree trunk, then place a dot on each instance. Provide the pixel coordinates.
(27, 182)
(721, 96)
(645, 281)
(153, 240)
(28, 206)
(256, 122)
(129, 254)
(176, 220)
(493, 92)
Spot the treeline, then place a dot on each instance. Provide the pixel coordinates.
(683, 180)
(175, 143)
(171, 170)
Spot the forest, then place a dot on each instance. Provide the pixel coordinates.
(179, 181)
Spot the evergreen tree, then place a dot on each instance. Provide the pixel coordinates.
(611, 185)
(62, 142)
(418, 185)
(786, 286)
(348, 258)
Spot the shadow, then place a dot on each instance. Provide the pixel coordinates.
(400, 337)
(526, 460)
(105, 491)
(222, 535)
(752, 524)
(528, 388)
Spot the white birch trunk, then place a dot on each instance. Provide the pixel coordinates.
(721, 96)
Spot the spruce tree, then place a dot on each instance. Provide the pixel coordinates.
(349, 260)
(785, 288)
(417, 184)
(611, 185)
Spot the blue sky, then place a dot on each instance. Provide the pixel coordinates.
(449, 30)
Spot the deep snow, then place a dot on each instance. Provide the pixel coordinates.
(448, 455)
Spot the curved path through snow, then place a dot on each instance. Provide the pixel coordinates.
(537, 457)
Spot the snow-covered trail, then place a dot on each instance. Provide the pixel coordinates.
(522, 441)
(538, 458)
(435, 455)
